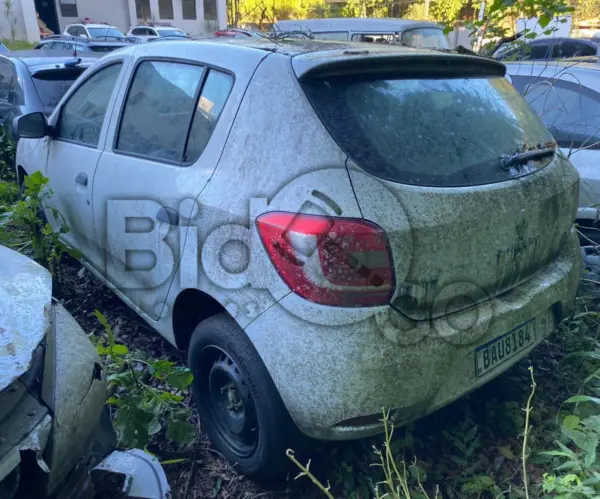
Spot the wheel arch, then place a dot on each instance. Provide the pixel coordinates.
(191, 307)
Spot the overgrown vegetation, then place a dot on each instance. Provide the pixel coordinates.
(147, 394)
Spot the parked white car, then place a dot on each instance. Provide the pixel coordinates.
(566, 95)
(90, 30)
(146, 33)
(312, 224)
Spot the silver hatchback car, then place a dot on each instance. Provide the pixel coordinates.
(326, 228)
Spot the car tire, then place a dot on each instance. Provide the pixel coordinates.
(228, 371)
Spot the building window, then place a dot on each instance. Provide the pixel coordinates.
(210, 10)
(68, 8)
(165, 9)
(189, 9)
(142, 9)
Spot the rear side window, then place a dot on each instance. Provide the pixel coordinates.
(433, 132)
(212, 100)
(425, 38)
(331, 35)
(104, 48)
(164, 103)
(159, 109)
(375, 38)
(52, 85)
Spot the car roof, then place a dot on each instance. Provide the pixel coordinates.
(36, 60)
(307, 55)
(539, 41)
(288, 47)
(91, 25)
(565, 63)
(353, 24)
(84, 41)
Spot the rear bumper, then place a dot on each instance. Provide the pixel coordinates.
(327, 375)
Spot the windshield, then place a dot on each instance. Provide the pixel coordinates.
(428, 38)
(434, 132)
(170, 32)
(52, 85)
(102, 32)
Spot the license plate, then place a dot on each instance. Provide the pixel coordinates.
(503, 348)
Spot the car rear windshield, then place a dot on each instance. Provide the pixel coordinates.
(105, 48)
(104, 32)
(51, 85)
(431, 132)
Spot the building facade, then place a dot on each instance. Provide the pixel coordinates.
(196, 17)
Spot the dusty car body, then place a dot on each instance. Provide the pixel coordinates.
(54, 426)
(364, 264)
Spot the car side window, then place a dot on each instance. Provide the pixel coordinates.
(158, 110)
(151, 32)
(6, 76)
(213, 97)
(569, 110)
(136, 32)
(82, 116)
(72, 30)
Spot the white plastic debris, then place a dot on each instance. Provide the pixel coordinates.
(144, 476)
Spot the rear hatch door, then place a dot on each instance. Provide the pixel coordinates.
(436, 133)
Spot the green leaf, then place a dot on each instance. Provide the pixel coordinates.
(119, 350)
(582, 398)
(544, 20)
(507, 452)
(181, 379)
(571, 422)
(175, 461)
(182, 432)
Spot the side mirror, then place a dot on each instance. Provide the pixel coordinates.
(31, 126)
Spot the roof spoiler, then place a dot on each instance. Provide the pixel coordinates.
(432, 65)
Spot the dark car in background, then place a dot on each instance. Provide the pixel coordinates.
(547, 49)
(81, 44)
(35, 80)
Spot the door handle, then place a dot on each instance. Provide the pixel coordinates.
(82, 179)
(168, 215)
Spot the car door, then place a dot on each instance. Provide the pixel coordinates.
(7, 74)
(73, 152)
(153, 169)
(571, 111)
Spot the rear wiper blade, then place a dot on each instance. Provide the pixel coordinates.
(521, 158)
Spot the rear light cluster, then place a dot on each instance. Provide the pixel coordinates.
(335, 261)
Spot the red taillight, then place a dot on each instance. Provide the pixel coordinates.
(332, 261)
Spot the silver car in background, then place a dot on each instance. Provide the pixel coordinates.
(420, 34)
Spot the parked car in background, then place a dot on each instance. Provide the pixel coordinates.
(548, 49)
(419, 34)
(36, 80)
(81, 44)
(567, 98)
(331, 188)
(93, 30)
(55, 429)
(243, 33)
(146, 32)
